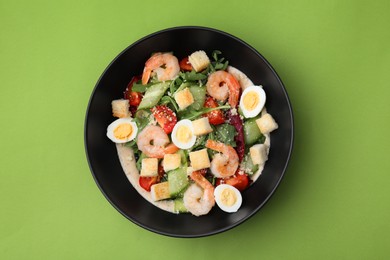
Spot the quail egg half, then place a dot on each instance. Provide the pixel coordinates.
(122, 130)
(252, 101)
(228, 198)
(183, 134)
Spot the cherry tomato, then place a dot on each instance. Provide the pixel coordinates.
(133, 97)
(216, 116)
(147, 182)
(165, 117)
(239, 180)
(185, 64)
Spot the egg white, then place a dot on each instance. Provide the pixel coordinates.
(115, 124)
(217, 194)
(183, 145)
(262, 97)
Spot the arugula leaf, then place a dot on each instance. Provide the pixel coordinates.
(192, 114)
(139, 87)
(181, 87)
(192, 76)
(175, 84)
(133, 145)
(225, 133)
(168, 100)
(141, 122)
(218, 63)
(199, 143)
(215, 54)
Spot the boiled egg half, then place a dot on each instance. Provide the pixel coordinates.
(228, 198)
(122, 130)
(252, 101)
(183, 134)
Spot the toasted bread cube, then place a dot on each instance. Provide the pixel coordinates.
(120, 108)
(199, 159)
(199, 60)
(149, 167)
(171, 161)
(160, 191)
(184, 98)
(266, 124)
(201, 126)
(258, 153)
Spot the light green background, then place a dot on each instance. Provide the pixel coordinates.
(334, 59)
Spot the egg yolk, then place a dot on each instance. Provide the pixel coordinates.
(183, 134)
(251, 100)
(228, 197)
(123, 131)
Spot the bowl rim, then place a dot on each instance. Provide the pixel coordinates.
(286, 163)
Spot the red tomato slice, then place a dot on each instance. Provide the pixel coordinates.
(133, 97)
(216, 116)
(239, 180)
(185, 64)
(165, 117)
(147, 182)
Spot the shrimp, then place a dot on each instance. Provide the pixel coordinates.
(154, 142)
(222, 85)
(225, 163)
(240, 76)
(165, 65)
(199, 197)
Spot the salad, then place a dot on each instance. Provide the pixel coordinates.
(198, 131)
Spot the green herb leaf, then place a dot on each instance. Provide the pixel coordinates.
(248, 165)
(139, 161)
(192, 76)
(139, 87)
(199, 143)
(225, 133)
(193, 114)
(133, 145)
(215, 54)
(165, 100)
(141, 122)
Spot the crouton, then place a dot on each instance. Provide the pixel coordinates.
(266, 124)
(199, 60)
(120, 108)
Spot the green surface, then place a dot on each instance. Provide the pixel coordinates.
(334, 59)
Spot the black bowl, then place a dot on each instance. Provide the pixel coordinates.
(101, 152)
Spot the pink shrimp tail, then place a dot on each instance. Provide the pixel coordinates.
(146, 76)
(234, 91)
(213, 145)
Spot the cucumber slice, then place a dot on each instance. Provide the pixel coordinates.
(178, 181)
(183, 155)
(153, 95)
(248, 165)
(139, 161)
(252, 132)
(178, 206)
(199, 95)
